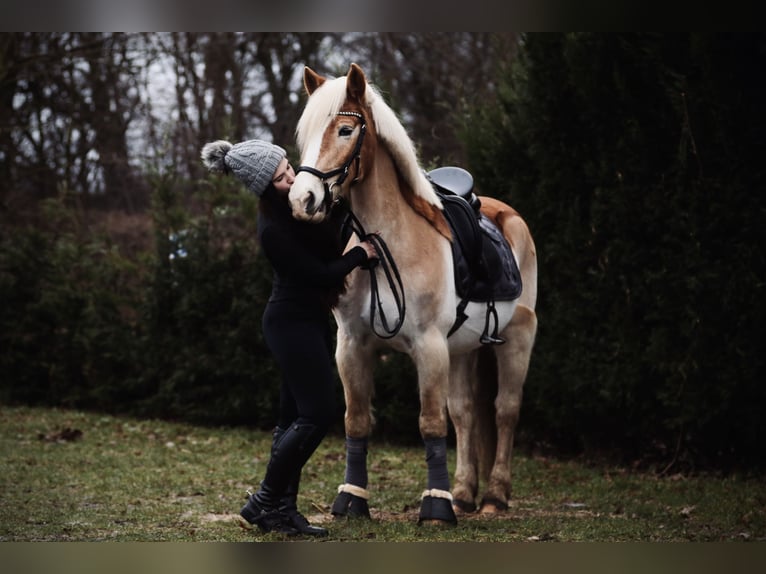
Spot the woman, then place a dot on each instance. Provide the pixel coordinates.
(309, 275)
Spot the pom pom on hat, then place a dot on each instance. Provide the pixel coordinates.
(253, 161)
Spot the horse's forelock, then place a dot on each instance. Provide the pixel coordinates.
(324, 103)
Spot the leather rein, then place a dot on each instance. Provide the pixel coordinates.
(385, 260)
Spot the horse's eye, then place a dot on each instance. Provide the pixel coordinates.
(345, 131)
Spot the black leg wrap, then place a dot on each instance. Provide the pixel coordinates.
(464, 505)
(436, 508)
(348, 505)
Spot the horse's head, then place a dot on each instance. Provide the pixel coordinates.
(343, 134)
(333, 136)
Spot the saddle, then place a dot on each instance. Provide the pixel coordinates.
(485, 268)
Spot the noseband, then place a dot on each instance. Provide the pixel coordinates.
(344, 168)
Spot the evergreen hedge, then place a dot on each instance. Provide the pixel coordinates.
(173, 333)
(637, 160)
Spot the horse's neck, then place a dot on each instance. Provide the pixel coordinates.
(379, 202)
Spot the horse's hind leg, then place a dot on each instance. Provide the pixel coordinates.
(355, 367)
(512, 366)
(460, 402)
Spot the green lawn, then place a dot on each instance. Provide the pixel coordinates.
(75, 476)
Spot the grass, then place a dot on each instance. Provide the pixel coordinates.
(76, 476)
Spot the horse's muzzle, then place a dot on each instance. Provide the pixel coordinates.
(308, 208)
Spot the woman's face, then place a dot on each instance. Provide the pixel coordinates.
(284, 176)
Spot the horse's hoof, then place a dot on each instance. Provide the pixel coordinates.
(436, 510)
(348, 505)
(492, 506)
(463, 506)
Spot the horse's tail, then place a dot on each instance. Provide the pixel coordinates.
(484, 432)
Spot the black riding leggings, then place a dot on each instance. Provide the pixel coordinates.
(301, 342)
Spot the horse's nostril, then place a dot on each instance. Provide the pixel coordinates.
(310, 205)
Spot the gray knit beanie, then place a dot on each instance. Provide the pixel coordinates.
(253, 161)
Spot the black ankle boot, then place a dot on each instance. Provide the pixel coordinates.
(262, 510)
(301, 525)
(288, 506)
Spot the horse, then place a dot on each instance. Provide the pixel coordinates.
(354, 149)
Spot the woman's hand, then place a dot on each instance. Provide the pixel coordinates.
(369, 248)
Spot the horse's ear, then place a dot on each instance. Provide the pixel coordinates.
(311, 80)
(356, 83)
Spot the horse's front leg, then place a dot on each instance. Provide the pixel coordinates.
(355, 362)
(431, 357)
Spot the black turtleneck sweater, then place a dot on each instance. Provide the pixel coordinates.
(309, 273)
(306, 257)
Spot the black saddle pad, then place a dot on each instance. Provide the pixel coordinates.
(485, 268)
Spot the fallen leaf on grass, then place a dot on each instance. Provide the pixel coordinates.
(64, 435)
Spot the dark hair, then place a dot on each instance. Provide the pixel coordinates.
(272, 202)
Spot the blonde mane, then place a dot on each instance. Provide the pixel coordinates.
(326, 102)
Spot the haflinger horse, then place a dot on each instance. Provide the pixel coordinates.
(354, 147)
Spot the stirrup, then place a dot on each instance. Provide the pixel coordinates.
(494, 338)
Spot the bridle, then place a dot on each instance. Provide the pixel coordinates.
(385, 260)
(355, 156)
